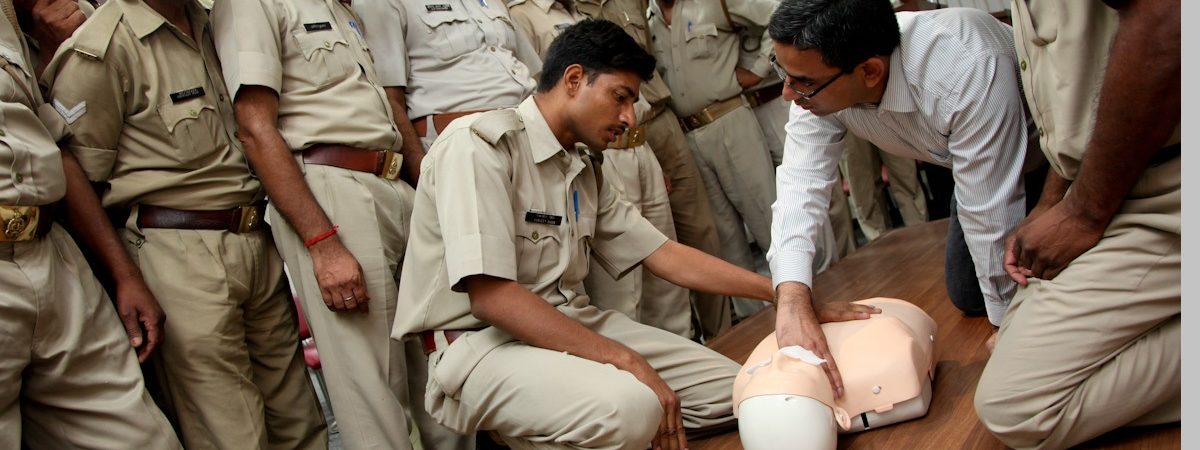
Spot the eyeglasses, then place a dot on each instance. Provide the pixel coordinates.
(791, 81)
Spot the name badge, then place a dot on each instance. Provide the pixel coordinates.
(543, 218)
(185, 94)
(317, 26)
(438, 7)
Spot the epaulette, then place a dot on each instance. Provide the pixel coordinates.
(493, 125)
(93, 37)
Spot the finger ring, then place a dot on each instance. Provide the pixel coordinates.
(672, 431)
(348, 298)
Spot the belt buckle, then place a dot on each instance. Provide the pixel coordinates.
(391, 165)
(752, 99)
(249, 220)
(21, 225)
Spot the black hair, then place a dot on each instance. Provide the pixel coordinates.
(845, 32)
(599, 46)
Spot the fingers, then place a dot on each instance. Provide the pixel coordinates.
(1010, 262)
(152, 325)
(133, 329)
(835, 377)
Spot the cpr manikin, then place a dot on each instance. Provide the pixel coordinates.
(783, 399)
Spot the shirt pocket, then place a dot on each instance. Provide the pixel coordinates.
(1044, 30)
(504, 33)
(326, 54)
(538, 250)
(449, 30)
(701, 41)
(193, 125)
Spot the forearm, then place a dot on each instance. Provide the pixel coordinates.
(1053, 191)
(89, 223)
(527, 317)
(1145, 54)
(696, 270)
(411, 148)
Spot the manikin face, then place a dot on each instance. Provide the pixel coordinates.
(813, 85)
(603, 109)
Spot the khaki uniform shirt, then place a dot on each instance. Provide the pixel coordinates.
(30, 163)
(149, 112)
(1063, 49)
(313, 54)
(450, 55)
(631, 16)
(500, 196)
(542, 20)
(698, 52)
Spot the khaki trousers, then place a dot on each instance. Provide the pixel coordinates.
(641, 295)
(230, 361)
(541, 399)
(690, 211)
(861, 162)
(68, 376)
(368, 374)
(1097, 347)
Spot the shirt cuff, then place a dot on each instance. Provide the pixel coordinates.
(791, 267)
(256, 69)
(97, 163)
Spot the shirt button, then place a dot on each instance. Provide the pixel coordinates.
(492, 48)
(1, 133)
(20, 178)
(534, 235)
(194, 113)
(328, 45)
(1023, 65)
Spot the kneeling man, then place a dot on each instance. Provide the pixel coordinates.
(507, 213)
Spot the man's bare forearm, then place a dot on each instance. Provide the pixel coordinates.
(411, 148)
(89, 224)
(1137, 111)
(696, 270)
(527, 317)
(273, 162)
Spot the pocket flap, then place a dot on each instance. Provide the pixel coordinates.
(312, 42)
(173, 114)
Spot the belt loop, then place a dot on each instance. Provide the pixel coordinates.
(431, 130)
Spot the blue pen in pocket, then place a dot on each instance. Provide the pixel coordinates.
(575, 199)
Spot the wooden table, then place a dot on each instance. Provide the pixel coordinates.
(908, 264)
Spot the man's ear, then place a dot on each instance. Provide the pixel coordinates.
(574, 79)
(874, 71)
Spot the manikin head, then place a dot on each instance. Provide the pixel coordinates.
(833, 54)
(886, 362)
(590, 81)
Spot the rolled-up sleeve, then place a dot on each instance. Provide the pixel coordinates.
(623, 237)
(91, 93)
(803, 186)
(248, 36)
(473, 197)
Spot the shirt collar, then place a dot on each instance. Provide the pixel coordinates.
(542, 142)
(144, 20)
(545, 5)
(897, 97)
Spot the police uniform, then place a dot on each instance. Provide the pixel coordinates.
(1098, 346)
(697, 54)
(497, 199)
(861, 166)
(68, 376)
(638, 177)
(690, 209)
(149, 115)
(332, 110)
(451, 56)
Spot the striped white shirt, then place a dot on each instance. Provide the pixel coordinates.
(953, 98)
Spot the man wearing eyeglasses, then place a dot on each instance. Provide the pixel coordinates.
(939, 86)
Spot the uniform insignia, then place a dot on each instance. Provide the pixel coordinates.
(70, 114)
(317, 26)
(185, 94)
(543, 218)
(438, 7)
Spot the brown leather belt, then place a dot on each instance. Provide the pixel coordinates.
(237, 220)
(710, 114)
(763, 96)
(383, 163)
(26, 223)
(440, 121)
(429, 338)
(632, 137)
(656, 108)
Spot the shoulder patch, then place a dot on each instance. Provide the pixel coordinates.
(93, 37)
(493, 125)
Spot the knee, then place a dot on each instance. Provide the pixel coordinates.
(627, 418)
(1004, 411)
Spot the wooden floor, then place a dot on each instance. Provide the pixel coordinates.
(907, 264)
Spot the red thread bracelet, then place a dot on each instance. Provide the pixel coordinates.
(320, 237)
